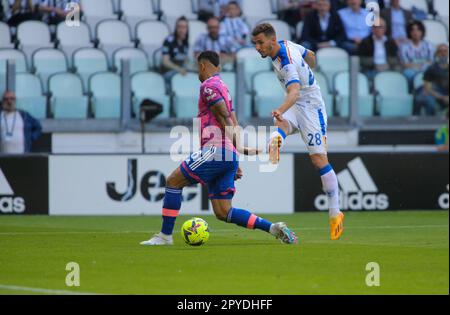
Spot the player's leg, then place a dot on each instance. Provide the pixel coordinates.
(171, 208)
(221, 192)
(225, 212)
(283, 129)
(313, 126)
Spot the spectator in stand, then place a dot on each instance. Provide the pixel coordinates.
(18, 129)
(20, 10)
(378, 52)
(397, 20)
(416, 54)
(213, 40)
(55, 11)
(354, 18)
(322, 28)
(234, 26)
(175, 52)
(211, 8)
(434, 93)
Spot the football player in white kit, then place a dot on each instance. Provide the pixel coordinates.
(303, 111)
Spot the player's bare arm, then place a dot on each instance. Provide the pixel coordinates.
(232, 130)
(292, 96)
(310, 59)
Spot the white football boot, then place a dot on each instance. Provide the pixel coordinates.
(159, 239)
(283, 233)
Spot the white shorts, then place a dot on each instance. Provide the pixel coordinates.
(311, 122)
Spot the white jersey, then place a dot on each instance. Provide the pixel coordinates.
(291, 67)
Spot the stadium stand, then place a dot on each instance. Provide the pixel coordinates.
(114, 30)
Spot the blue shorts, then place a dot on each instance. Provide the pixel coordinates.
(215, 168)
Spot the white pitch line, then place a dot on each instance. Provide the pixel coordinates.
(381, 227)
(45, 291)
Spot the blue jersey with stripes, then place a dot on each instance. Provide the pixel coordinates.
(291, 67)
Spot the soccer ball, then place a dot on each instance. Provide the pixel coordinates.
(195, 232)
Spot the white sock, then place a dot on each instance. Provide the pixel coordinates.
(331, 188)
(278, 133)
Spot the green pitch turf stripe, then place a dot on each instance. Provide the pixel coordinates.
(43, 291)
(374, 227)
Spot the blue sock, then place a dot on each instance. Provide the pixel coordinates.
(248, 220)
(171, 208)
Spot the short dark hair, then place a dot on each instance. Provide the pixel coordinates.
(210, 56)
(265, 28)
(419, 24)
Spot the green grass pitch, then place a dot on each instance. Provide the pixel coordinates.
(411, 248)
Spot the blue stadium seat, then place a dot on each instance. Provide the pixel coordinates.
(150, 85)
(331, 61)
(48, 61)
(135, 11)
(393, 98)
(253, 63)
(257, 10)
(88, 61)
(113, 35)
(33, 35)
(437, 32)
(137, 57)
(106, 98)
(96, 11)
(70, 39)
(173, 9)
(151, 35)
(67, 99)
(186, 91)
(365, 99)
(267, 91)
(30, 96)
